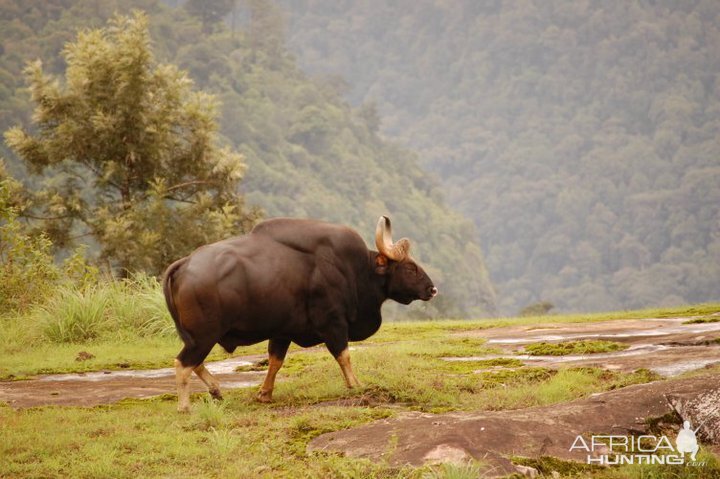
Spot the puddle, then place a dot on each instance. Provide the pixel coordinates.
(225, 366)
(655, 332)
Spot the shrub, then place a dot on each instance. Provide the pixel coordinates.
(27, 269)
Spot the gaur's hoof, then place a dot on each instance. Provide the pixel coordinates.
(264, 396)
(216, 395)
(183, 409)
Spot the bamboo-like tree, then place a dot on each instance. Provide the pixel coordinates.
(129, 153)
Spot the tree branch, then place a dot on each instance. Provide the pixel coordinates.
(192, 183)
(33, 217)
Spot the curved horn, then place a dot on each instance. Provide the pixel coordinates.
(383, 240)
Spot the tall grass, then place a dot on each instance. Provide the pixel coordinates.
(73, 316)
(123, 309)
(139, 309)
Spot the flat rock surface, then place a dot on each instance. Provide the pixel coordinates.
(493, 436)
(666, 346)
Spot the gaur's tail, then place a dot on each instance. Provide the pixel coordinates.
(167, 290)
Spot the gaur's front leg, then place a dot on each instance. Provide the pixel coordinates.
(277, 349)
(340, 351)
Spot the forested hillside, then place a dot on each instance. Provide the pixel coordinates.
(308, 152)
(582, 137)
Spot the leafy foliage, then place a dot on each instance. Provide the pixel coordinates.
(28, 272)
(130, 152)
(581, 137)
(27, 266)
(309, 153)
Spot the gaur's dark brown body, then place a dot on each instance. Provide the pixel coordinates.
(289, 280)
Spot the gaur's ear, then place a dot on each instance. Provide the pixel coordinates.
(381, 263)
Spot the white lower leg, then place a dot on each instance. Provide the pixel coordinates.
(209, 380)
(344, 361)
(182, 377)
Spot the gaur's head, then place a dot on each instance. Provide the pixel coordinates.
(406, 280)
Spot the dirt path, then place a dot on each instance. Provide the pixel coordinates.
(105, 387)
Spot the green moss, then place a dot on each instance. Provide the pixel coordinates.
(639, 376)
(704, 319)
(505, 377)
(573, 347)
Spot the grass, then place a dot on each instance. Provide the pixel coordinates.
(240, 438)
(124, 325)
(545, 465)
(149, 439)
(703, 319)
(481, 364)
(586, 346)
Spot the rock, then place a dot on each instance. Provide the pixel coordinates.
(494, 436)
(527, 471)
(84, 356)
(447, 453)
(703, 412)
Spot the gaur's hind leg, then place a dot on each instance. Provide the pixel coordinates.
(182, 378)
(188, 360)
(277, 348)
(210, 381)
(341, 353)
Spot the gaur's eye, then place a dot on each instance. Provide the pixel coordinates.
(412, 268)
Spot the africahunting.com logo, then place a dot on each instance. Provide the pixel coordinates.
(610, 450)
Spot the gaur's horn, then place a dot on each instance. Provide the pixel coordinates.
(383, 240)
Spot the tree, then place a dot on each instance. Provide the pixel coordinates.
(210, 12)
(130, 153)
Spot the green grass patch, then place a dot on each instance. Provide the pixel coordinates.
(639, 376)
(546, 465)
(704, 319)
(585, 346)
(450, 347)
(149, 439)
(505, 377)
(685, 311)
(470, 470)
(707, 466)
(480, 364)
